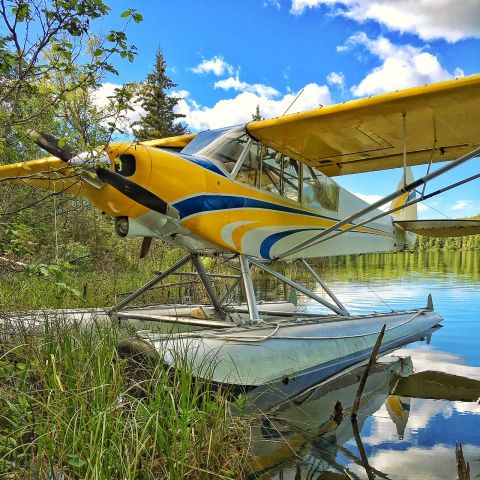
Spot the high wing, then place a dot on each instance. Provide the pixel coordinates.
(51, 173)
(442, 123)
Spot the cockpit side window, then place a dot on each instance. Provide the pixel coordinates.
(249, 171)
(265, 168)
(319, 191)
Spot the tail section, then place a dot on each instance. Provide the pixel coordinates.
(410, 212)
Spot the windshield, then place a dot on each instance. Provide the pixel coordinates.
(224, 145)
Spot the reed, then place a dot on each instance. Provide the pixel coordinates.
(72, 408)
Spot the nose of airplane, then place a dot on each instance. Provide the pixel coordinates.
(132, 190)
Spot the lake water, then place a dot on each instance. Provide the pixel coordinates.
(401, 438)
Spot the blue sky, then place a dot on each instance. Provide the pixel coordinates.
(228, 56)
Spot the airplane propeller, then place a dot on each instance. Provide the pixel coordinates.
(144, 249)
(51, 145)
(130, 189)
(64, 152)
(137, 193)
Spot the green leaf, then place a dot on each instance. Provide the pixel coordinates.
(76, 461)
(127, 13)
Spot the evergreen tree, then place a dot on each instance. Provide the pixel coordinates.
(159, 119)
(257, 115)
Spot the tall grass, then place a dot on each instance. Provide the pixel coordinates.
(72, 408)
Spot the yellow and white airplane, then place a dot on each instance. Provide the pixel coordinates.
(263, 191)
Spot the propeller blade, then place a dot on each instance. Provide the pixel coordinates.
(147, 241)
(51, 145)
(132, 190)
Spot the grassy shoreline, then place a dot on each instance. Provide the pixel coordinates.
(72, 408)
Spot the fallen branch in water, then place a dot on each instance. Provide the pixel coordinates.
(463, 467)
(371, 362)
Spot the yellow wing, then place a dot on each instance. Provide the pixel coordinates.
(367, 134)
(176, 143)
(49, 173)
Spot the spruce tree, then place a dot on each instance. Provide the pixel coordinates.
(257, 115)
(159, 118)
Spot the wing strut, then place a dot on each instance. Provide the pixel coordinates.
(393, 210)
(406, 188)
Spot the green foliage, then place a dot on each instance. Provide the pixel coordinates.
(56, 273)
(257, 116)
(46, 41)
(72, 408)
(471, 242)
(17, 239)
(159, 120)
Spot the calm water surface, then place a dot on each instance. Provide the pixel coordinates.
(402, 438)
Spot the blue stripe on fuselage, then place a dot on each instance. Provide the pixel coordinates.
(210, 202)
(411, 197)
(268, 242)
(203, 162)
(207, 203)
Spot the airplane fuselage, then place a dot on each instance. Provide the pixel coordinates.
(262, 211)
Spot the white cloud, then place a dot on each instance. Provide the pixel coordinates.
(274, 3)
(428, 463)
(402, 66)
(336, 78)
(103, 98)
(464, 205)
(239, 109)
(234, 83)
(216, 65)
(429, 19)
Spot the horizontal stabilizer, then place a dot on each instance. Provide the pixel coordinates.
(441, 228)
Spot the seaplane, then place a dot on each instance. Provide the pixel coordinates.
(263, 192)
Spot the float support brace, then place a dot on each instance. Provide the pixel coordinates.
(324, 286)
(298, 287)
(197, 263)
(249, 291)
(133, 296)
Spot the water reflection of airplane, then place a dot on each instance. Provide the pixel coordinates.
(303, 437)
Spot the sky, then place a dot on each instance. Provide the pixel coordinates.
(228, 56)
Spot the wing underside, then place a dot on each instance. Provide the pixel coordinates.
(441, 228)
(442, 122)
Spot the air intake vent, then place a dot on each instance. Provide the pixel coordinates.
(125, 165)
